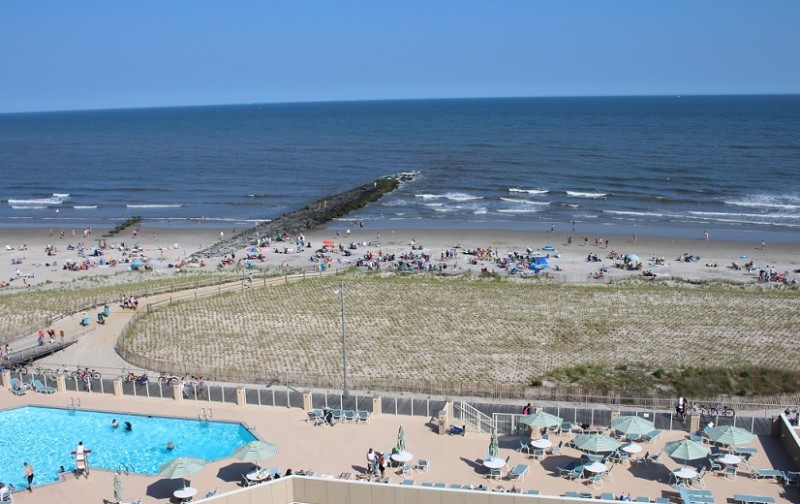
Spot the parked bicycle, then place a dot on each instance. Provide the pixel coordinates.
(82, 374)
(168, 379)
(712, 411)
(16, 369)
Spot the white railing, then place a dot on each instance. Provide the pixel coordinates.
(472, 417)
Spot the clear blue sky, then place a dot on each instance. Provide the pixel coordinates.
(57, 55)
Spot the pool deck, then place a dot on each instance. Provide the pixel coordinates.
(342, 448)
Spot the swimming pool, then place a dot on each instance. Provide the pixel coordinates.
(45, 438)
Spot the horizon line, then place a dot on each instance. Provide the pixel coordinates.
(377, 100)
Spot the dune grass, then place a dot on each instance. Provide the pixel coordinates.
(420, 328)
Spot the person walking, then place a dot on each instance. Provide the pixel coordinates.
(29, 475)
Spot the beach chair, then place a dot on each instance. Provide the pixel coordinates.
(40, 387)
(456, 486)
(439, 485)
(338, 415)
(571, 494)
(791, 477)
(518, 472)
(565, 428)
(767, 473)
(407, 482)
(17, 387)
(350, 415)
(532, 492)
(643, 499)
(607, 496)
(364, 416)
(211, 493)
(662, 500)
(427, 484)
(422, 465)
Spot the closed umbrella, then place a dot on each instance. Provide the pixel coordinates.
(255, 451)
(182, 467)
(401, 439)
(494, 448)
(595, 443)
(685, 450)
(633, 425)
(541, 420)
(117, 488)
(729, 435)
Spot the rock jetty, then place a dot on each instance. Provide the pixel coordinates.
(306, 218)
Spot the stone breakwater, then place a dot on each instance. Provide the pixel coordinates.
(304, 219)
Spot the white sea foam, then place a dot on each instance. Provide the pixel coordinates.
(640, 214)
(480, 211)
(452, 196)
(525, 202)
(85, 207)
(28, 207)
(52, 200)
(61, 196)
(592, 195)
(529, 191)
(153, 206)
(520, 210)
(780, 202)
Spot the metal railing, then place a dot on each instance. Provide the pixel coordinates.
(473, 417)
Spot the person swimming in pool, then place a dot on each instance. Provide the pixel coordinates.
(170, 445)
(114, 423)
(128, 426)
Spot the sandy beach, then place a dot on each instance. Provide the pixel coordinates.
(24, 259)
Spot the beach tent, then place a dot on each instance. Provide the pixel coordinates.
(539, 263)
(136, 264)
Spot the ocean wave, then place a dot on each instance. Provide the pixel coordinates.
(640, 214)
(592, 195)
(153, 206)
(452, 196)
(62, 196)
(782, 202)
(28, 207)
(85, 207)
(480, 211)
(529, 191)
(519, 210)
(51, 200)
(525, 202)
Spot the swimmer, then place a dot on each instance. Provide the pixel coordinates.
(170, 445)
(128, 426)
(114, 423)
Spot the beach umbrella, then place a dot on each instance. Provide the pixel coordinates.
(117, 488)
(181, 467)
(685, 450)
(254, 250)
(541, 419)
(494, 447)
(633, 425)
(327, 243)
(633, 258)
(401, 439)
(255, 451)
(595, 443)
(729, 435)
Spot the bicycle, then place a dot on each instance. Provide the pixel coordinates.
(16, 369)
(712, 411)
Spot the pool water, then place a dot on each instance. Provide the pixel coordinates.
(46, 437)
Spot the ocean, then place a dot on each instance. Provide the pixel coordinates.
(676, 166)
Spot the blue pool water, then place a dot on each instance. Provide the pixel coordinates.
(45, 438)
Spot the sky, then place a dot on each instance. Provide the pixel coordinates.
(94, 54)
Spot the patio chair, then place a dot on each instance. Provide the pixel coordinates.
(713, 465)
(311, 415)
(422, 465)
(596, 480)
(539, 453)
(729, 472)
(523, 445)
(211, 493)
(696, 436)
(427, 484)
(338, 415)
(576, 473)
(456, 486)
(643, 499)
(791, 477)
(364, 416)
(715, 452)
(407, 482)
(40, 387)
(17, 387)
(519, 472)
(565, 428)
(508, 459)
(701, 474)
(662, 500)
(406, 471)
(439, 485)
(350, 415)
(651, 458)
(607, 496)
(495, 473)
(532, 492)
(557, 448)
(607, 474)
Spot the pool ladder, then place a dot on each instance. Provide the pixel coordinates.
(205, 415)
(74, 403)
(124, 468)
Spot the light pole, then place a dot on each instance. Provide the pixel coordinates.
(344, 342)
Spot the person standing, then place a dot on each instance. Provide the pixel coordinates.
(29, 475)
(371, 460)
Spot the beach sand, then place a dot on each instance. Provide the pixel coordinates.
(165, 245)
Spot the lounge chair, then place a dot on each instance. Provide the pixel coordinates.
(407, 482)
(791, 477)
(365, 416)
(456, 486)
(38, 386)
(427, 484)
(767, 473)
(533, 492)
(439, 485)
(338, 415)
(571, 493)
(642, 499)
(753, 499)
(17, 387)
(662, 500)
(653, 435)
(607, 496)
(350, 415)
(565, 428)
(211, 493)
(275, 471)
(518, 472)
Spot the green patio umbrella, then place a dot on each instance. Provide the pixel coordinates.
(541, 420)
(255, 451)
(494, 447)
(685, 450)
(633, 425)
(595, 443)
(181, 467)
(730, 435)
(401, 439)
(117, 488)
